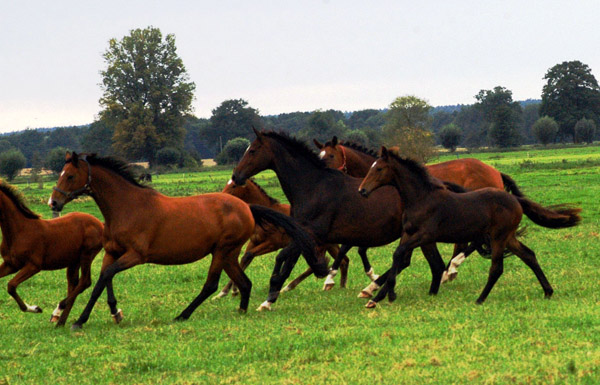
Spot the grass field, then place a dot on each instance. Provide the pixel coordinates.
(315, 337)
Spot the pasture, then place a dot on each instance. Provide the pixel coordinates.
(314, 337)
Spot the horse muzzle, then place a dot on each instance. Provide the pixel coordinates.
(364, 192)
(238, 180)
(55, 205)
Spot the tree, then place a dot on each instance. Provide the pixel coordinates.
(232, 119)
(146, 92)
(323, 125)
(450, 136)
(11, 163)
(55, 160)
(585, 130)
(358, 137)
(98, 138)
(531, 113)
(502, 115)
(571, 93)
(545, 129)
(233, 151)
(168, 156)
(407, 126)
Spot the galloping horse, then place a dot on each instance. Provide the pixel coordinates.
(325, 202)
(469, 173)
(144, 226)
(432, 214)
(31, 244)
(267, 238)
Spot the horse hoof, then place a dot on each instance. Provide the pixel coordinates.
(452, 276)
(54, 318)
(33, 309)
(371, 304)
(76, 326)
(364, 294)
(242, 311)
(118, 316)
(264, 306)
(219, 296)
(374, 277)
(444, 277)
(287, 288)
(328, 286)
(235, 293)
(391, 297)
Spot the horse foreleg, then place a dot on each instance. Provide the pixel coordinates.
(284, 263)
(83, 283)
(436, 265)
(362, 252)
(338, 258)
(72, 282)
(528, 256)
(496, 270)
(28, 271)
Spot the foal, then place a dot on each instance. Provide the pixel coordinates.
(433, 214)
(30, 244)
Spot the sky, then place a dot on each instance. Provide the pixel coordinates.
(285, 56)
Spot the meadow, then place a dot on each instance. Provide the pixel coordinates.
(316, 337)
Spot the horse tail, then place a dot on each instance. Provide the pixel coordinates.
(306, 243)
(553, 217)
(511, 186)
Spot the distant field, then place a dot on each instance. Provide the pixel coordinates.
(316, 337)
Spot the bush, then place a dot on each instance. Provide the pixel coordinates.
(11, 162)
(55, 160)
(168, 156)
(450, 136)
(585, 131)
(358, 137)
(545, 129)
(233, 151)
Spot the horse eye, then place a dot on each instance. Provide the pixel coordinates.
(331, 156)
(379, 168)
(70, 178)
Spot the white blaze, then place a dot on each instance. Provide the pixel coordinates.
(322, 154)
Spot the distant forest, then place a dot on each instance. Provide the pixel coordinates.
(201, 141)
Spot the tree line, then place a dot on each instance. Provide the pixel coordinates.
(147, 116)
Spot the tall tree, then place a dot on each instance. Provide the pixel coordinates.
(323, 125)
(146, 92)
(502, 115)
(571, 93)
(232, 119)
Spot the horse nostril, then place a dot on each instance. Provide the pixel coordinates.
(363, 192)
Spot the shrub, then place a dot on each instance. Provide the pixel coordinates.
(585, 131)
(11, 162)
(450, 136)
(55, 160)
(233, 151)
(545, 129)
(168, 156)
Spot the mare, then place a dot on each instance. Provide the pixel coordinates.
(325, 202)
(268, 238)
(144, 226)
(469, 173)
(432, 214)
(31, 244)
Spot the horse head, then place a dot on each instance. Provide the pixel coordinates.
(258, 157)
(74, 180)
(379, 174)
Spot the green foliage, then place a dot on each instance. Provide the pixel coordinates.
(502, 115)
(450, 136)
(323, 125)
(55, 160)
(98, 139)
(146, 92)
(11, 163)
(407, 127)
(545, 129)
(585, 131)
(232, 119)
(168, 156)
(233, 151)
(357, 136)
(571, 93)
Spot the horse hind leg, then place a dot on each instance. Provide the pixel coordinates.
(528, 256)
(247, 258)
(496, 270)
(72, 282)
(28, 271)
(82, 283)
(237, 275)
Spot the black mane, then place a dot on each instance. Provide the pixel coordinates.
(271, 199)
(419, 171)
(18, 200)
(360, 148)
(119, 166)
(297, 147)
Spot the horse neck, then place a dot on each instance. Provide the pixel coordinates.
(358, 163)
(12, 221)
(412, 189)
(259, 197)
(115, 196)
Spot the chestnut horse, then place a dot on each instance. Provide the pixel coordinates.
(31, 244)
(432, 214)
(325, 202)
(144, 226)
(267, 238)
(469, 173)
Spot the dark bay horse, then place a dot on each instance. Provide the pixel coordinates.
(31, 244)
(325, 202)
(268, 238)
(469, 173)
(144, 226)
(432, 214)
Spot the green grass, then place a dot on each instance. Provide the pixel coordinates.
(315, 337)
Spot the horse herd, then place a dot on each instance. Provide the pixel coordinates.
(345, 195)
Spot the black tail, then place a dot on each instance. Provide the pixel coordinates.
(296, 232)
(511, 186)
(554, 217)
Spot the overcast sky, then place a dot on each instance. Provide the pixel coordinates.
(285, 56)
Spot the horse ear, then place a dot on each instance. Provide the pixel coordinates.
(257, 133)
(73, 159)
(334, 141)
(68, 156)
(384, 152)
(318, 144)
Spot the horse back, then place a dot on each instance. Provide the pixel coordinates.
(469, 172)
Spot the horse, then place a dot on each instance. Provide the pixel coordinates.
(433, 214)
(267, 239)
(31, 244)
(324, 201)
(470, 173)
(145, 226)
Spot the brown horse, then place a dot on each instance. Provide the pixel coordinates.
(144, 226)
(31, 244)
(469, 173)
(268, 238)
(433, 214)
